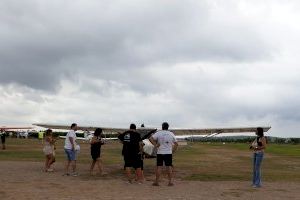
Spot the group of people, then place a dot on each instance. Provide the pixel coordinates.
(163, 140)
(165, 143)
(71, 149)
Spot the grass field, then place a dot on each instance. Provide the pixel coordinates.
(196, 161)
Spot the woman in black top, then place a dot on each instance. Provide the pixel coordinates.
(96, 144)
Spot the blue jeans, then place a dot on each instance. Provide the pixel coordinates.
(71, 155)
(257, 160)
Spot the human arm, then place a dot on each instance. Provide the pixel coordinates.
(174, 148)
(153, 141)
(175, 144)
(253, 144)
(141, 144)
(121, 137)
(71, 139)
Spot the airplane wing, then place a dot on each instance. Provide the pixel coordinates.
(146, 132)
(143, 131)
(77, 138)
(182, 134)
(215, 131)
(83, 128)
(14, 127)
(88, 138)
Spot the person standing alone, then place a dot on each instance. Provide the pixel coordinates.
(258, 146)
(166, 145)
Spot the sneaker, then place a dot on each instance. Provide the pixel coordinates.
(74, 174)
(66, 174)
(50, 170)
(256, 186)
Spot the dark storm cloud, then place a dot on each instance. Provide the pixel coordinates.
(43, 42)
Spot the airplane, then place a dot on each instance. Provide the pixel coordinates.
(10, 128)
(145, 132)
(17, 129)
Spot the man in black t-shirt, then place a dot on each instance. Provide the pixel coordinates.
(132, 148)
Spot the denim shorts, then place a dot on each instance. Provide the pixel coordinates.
(71, 155)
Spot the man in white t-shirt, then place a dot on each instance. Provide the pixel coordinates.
(166, 145)
(70, 149)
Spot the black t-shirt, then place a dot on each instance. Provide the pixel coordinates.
(96, 147)
(131, 142)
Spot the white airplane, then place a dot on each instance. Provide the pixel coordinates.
(13, 128)
(22, 131)
(181, 134)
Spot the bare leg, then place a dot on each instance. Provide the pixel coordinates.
(139, 175)
(100, 166)
(46, 163)
(50, 161)
(128, 174)
(170, 173)
(157, 172)
(68, 162)
(92, 167)
(142, 174)
(74, 165)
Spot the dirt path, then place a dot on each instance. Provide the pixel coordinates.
(25, 180)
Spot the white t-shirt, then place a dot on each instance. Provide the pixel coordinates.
(166, 140)
(68, 144)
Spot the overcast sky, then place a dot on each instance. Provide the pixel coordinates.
(195, 64)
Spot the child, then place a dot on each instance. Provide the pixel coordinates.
(96, 144)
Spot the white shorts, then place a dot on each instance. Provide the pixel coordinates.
(48, 150)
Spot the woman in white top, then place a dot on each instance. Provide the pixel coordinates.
(49, 150)
(258, 146)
